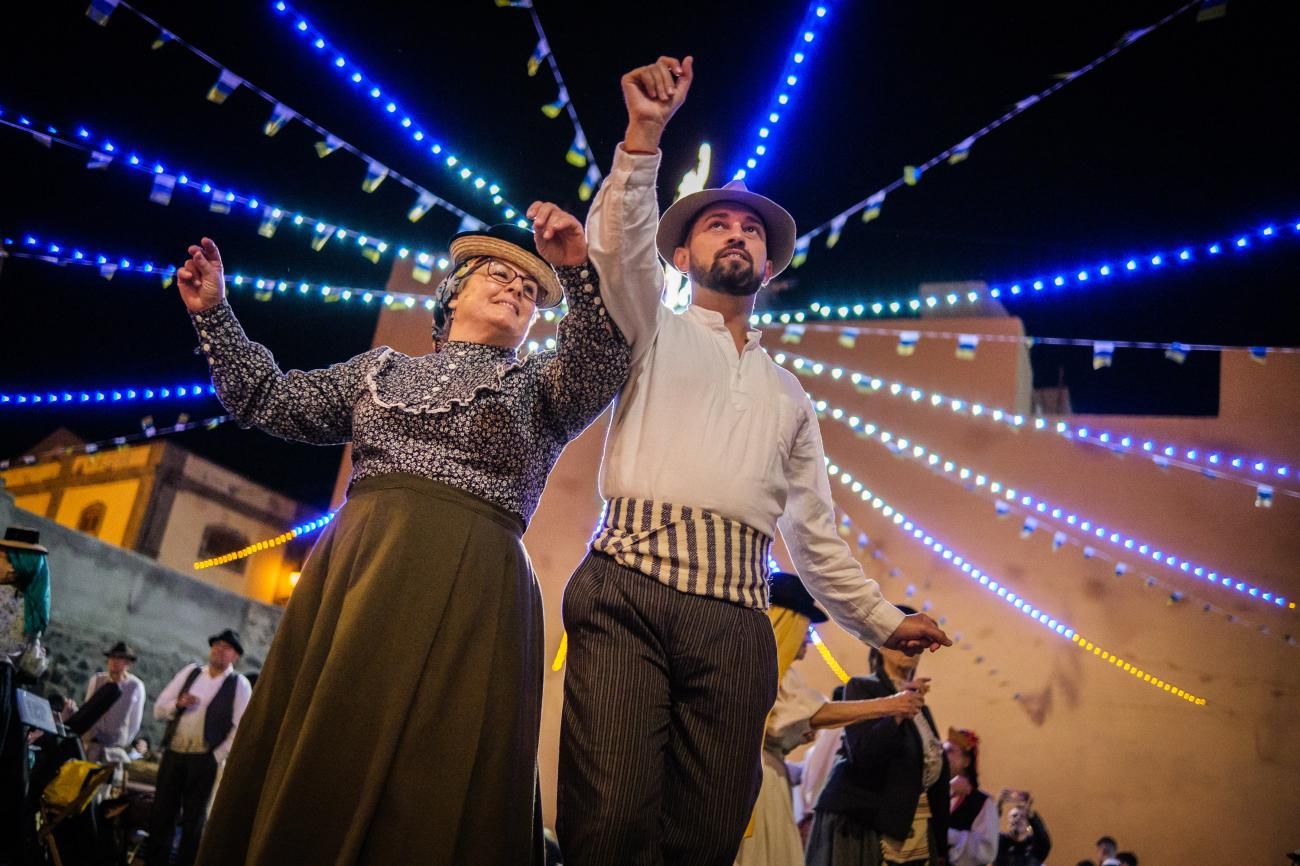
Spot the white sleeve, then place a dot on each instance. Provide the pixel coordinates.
(822, 559)
(165, 706)
(243, 691)
(977, 846)
(621, 229)
(136, 714)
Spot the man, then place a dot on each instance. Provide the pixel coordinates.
(117, 727)
(1106, 849)
(202, 706)
(671, 666)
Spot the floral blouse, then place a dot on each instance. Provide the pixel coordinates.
(471, 416)
(13, 638)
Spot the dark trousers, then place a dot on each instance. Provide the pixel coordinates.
(665, 697)
(184, 786)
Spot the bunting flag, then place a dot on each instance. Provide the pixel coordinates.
(321, 236)
(966, 344)
(911, 175)
(1258, 354)
(1102, 354)
(1177, 352)
(264, 294)
(874, 204)
(1089, 552)
(800, 251)
(107, 270)
(590, 181)
(226, 84)
(43, 138)
(168, 278)
(99, 160)
(792, 334)
(1058, 541)
(577, 155)
(848, 337)
(423, 202)
(328, 146)
(146, 426)
(539, 54)
(1263, 496)
(280, 115)
(421, 272)
(371, 253)
(375, 174)
(163, 37)
(470, 224)
(1001, 508)
(270, 222)
(1121, 569)
(553, 109)
(837, 228)
(1212, 9)
(961, 151)
(1027, 102)
(163, 184)
(907, 342)
(100, 11)
(1028, 527)
(219, 203)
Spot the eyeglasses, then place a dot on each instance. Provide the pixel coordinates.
(505, 275)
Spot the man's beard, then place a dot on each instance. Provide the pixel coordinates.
(728, 280)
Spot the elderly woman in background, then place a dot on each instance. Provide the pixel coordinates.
(972, 814)
(397, 715)
(886, 800)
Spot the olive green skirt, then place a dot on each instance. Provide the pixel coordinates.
(396, 718)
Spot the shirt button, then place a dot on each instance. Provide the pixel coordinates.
(207, 347)
(583, 274)
(202, 333)
(597, 302)
(587, 287)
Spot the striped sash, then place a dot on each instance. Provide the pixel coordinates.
(692, 550)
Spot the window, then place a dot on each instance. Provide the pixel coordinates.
(220, 540)
(92, 518)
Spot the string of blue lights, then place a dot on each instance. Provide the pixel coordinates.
(403, 118)
(221, 198)
(814, 22)
(114, 442)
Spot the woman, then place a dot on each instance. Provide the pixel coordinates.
(886, 800)
(396, 718)
(24, 615)
(972, 815)
(799, 713)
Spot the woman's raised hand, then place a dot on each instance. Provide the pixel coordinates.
(201, 279)
(560, 238)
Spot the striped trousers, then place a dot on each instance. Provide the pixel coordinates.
(665, 697)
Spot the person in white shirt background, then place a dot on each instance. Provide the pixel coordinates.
(671, 664)
(202, 705)
(119, 725)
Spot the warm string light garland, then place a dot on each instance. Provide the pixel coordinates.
(221, 199)
(872, 204)
(389, 108)
(259, 546)
(1206, 462)
(814, 22)
(97, 396)
(1110, 272)
(281, 114)
(972, 479)
(1000, 589)
(149, 432)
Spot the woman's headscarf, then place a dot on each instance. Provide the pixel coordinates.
(33, 573)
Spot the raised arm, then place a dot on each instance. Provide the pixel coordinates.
(623, 219)
(314, 406)
(590, 362)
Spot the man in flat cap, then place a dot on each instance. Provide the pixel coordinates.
(712, 447)
(202, 706)
(119, 725)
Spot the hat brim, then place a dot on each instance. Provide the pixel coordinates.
(676, 221)
(468, 245)
(23, 545)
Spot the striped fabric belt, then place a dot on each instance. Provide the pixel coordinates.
(692, 550)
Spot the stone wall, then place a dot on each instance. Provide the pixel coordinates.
(102, 593)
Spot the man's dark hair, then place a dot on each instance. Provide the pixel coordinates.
(1128, 858)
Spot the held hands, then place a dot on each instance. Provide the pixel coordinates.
(653, 93)
(560, 238)
(905, 704)
(185, 701)
(202, 280)
(916, 634)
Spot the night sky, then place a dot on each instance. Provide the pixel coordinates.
(1179, 140)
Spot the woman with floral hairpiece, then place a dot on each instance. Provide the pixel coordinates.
(396, 718)
(972, 814)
